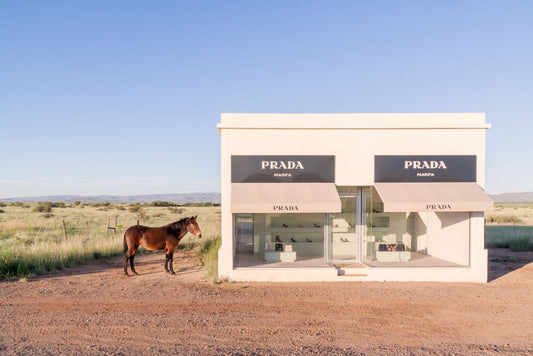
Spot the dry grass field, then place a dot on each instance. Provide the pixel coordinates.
(32, 236)
(510, 214)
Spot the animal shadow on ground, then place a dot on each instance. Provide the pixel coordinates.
(150, 263)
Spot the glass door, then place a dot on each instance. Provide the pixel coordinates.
(343, 240)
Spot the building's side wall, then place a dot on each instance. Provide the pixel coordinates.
(226, 251)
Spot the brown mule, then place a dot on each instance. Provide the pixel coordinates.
(158, 238)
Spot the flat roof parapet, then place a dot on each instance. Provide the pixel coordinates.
(359, 121)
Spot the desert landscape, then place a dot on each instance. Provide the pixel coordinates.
(93, 309)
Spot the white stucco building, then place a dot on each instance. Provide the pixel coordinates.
(353, 197)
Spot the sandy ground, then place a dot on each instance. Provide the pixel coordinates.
(94, 309)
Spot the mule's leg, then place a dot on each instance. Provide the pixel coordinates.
(132, 252)
(172, 262)
(132, 266)
(126, 256)
(167, 259)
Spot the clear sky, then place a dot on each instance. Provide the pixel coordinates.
(123, 97)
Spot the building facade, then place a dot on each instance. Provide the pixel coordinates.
(353, 197)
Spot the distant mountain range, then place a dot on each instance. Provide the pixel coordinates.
(180, 198)
(525, 197)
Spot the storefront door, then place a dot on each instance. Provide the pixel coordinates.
(344, 240)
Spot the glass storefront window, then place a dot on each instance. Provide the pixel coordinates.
(415, 238)
(287, 237)
(361, 233)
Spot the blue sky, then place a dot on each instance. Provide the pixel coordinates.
(123, 97)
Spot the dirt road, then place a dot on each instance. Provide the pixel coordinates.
(94, 309)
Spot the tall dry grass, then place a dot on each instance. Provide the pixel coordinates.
(32, 240)
(510, 225)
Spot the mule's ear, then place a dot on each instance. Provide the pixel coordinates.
(195, 217)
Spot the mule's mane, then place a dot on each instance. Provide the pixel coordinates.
(178, 225)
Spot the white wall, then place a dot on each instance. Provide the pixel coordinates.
(449, 237)
(354, 139)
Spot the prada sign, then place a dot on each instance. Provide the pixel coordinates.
(286, 169)
(425, 169)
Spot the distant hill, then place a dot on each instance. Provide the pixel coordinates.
(117, 199)
(526, 197)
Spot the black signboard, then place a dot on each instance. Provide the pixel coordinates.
(424, 169)
(286, 169)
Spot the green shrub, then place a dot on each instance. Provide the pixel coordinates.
(516, 244)
(176, 210)
(160, 203)
(521, 244)
(134, 208)
(504, 219)
(43, 207)
(201, 204)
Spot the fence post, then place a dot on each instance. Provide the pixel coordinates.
(65, 230)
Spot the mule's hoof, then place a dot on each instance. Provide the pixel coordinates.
(135, 273)
(173, 273)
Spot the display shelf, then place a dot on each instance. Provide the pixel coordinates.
(400, 255)
(343, 248)
(393, 256)
(279, 256)
(304, 248)
(378, 221)
(343, 229)
(307, 230)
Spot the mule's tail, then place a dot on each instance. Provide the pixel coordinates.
(125, 244)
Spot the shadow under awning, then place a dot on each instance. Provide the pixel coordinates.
(417, 197)
(284, 198)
